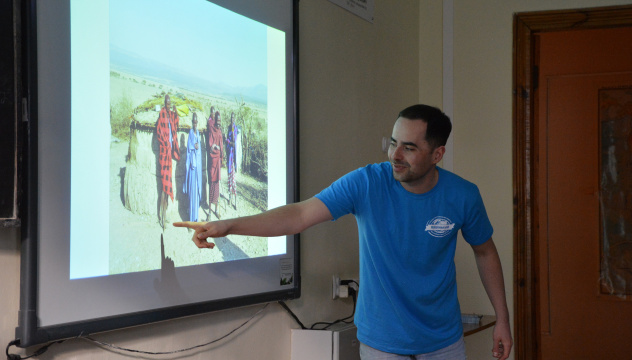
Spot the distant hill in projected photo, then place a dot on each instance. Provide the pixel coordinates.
(126, 61)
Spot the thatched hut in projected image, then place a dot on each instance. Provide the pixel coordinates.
(142, 184)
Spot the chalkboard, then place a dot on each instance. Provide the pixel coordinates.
(8, 117)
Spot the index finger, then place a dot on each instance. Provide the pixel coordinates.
(188, 224)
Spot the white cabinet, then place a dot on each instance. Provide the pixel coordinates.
(339, 342)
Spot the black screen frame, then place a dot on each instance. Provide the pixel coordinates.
(28, 331)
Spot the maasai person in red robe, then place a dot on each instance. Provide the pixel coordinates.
(215, 150)
(166, 131)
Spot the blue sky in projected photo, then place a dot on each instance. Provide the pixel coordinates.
(187, 41)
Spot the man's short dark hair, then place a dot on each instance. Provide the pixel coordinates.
(438, 123)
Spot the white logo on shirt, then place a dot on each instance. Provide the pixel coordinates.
(439, 226)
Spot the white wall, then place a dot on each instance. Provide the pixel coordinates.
(354, 78)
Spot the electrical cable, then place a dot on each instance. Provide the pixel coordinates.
(111, 346)
(352, 291)
(283, 305)
(181, 350)
(37, 352)
(43, 349)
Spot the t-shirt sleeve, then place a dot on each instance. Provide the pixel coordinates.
(477, 228)
(340, 196)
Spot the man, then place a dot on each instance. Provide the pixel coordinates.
(215, 149)
(166, 132)
(193, 180)
(408, 213)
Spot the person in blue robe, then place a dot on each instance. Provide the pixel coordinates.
(193, 182)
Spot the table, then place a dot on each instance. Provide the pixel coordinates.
(486, 322)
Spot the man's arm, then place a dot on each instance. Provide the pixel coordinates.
(285, 220)
(490, 270)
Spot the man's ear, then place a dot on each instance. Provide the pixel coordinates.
(437, 154)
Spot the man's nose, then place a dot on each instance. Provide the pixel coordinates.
(396, 152)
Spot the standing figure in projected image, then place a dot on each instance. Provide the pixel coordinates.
(231, 144)
(167, 134)
(193, 180)
(214, 149)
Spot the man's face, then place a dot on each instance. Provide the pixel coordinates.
(411, 156)
(194, 122)
(167, 102)
(218, 119)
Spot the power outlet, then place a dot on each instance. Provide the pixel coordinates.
(338, 290)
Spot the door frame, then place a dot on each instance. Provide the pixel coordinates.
(526, 26)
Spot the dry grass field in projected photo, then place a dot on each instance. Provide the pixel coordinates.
(135, 233)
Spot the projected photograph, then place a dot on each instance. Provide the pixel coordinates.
(190, 124)
(146, 113)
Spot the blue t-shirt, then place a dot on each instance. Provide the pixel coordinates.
(407, 302)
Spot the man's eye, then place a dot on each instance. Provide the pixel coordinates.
(393, 144)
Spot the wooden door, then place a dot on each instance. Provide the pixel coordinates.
(579, 315)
